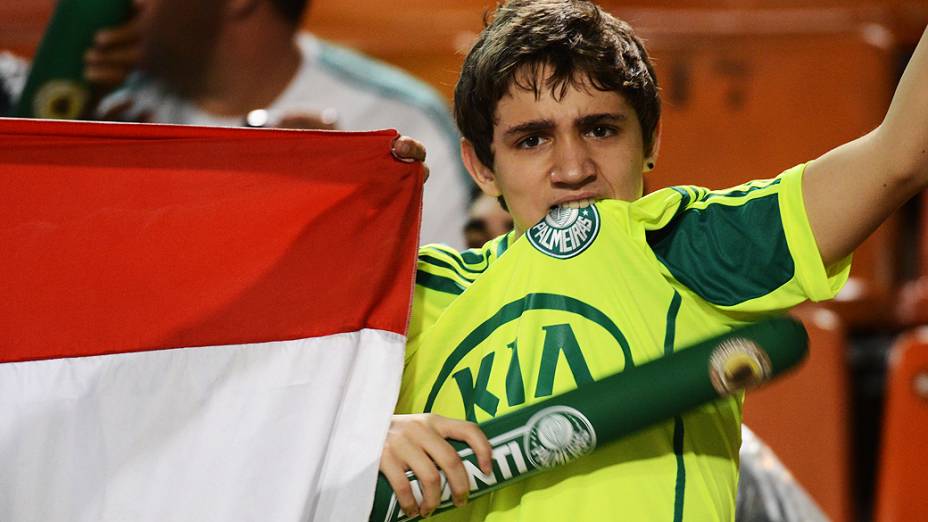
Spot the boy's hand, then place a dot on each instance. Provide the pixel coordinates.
(417, 443)
(409, 150)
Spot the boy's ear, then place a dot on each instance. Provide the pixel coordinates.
(482, 175)
(651, 160)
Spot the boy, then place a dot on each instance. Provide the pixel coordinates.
(559, 108)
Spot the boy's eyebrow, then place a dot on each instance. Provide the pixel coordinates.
(529, 127)
(590, 119)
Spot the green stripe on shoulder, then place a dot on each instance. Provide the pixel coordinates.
(503, 244)
(685, 195)
(438, 283)
(472, 262)
(727, 253)
(475, 257)
(435, 261)
(741, 190)
(445, 262)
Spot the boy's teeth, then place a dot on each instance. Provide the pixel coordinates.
(581, 203)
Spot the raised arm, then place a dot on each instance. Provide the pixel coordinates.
(851, 189)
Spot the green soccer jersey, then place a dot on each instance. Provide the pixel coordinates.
(589, 292)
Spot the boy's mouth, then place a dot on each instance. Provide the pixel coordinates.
(579, 203)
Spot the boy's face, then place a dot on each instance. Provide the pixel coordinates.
(586, 146)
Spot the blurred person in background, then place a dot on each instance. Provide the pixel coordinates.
(247, 62)
(213, 62)
(486, 220)
(767, 491)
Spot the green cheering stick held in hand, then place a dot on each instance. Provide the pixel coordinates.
(56, 87)
(559, 430)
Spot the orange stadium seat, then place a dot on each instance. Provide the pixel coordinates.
(902, 483)
(805, 417)
(913, 299)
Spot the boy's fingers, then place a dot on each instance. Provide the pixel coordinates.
(417, 443)
(429, 482)
(416, 460)
(473, 436)
(396, 476)
(447, 458)
(408, 149)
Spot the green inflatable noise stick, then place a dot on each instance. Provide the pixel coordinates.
(561, 429)
(55, 87)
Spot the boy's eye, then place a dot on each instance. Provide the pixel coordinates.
(601, 131)
(529, 142)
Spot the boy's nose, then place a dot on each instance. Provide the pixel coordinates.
(572, 163)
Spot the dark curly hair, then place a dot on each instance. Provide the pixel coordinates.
(576, 39)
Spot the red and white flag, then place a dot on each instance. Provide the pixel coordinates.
(199, 324)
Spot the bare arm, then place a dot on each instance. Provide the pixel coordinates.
(851, 189)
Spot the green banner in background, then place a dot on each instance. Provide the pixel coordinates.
(56, 87)
(556, 431)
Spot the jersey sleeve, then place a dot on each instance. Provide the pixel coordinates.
(442, 274)
(745, 249)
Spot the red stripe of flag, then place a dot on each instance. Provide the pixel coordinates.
(122, 237)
